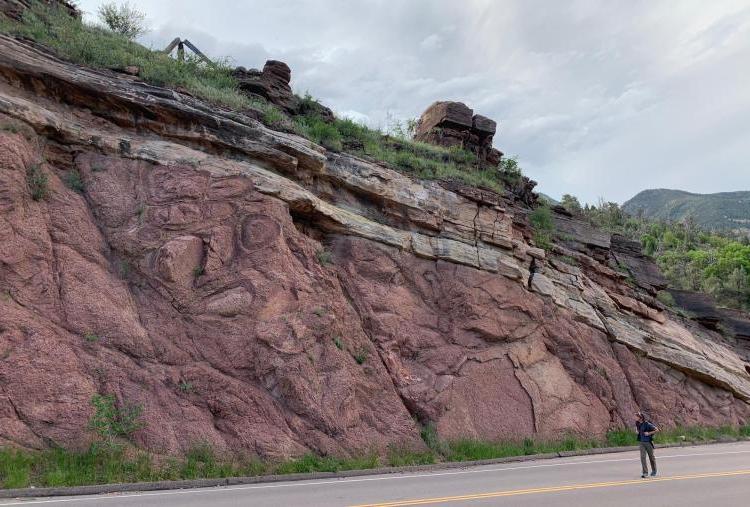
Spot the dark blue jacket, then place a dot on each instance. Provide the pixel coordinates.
(643, 428)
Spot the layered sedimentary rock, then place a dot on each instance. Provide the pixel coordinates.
(272, 83)
(255, 292)
(454, 124)
(702, 309)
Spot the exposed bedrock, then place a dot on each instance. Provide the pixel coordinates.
(256, 293)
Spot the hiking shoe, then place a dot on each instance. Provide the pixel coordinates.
(644, 476)
(653, 474)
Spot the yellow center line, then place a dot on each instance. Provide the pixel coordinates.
(551, 489)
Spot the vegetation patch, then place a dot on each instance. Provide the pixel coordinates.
(360, 356)
(91, 337)
(37, 181)
(396, 149)
(119, 464)
(543, 226)
(567, 259)
(11, 128)
(112, 48)
(74, 181)
(325, 258)
(691, 258)
(186, 387)
(111, 422)
(337, 341)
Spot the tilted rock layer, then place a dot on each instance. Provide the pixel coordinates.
(254, 292)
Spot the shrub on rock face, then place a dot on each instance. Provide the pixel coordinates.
(74, 182)
(543, 225)
(123, 19)
(37, 182)
(111, 422)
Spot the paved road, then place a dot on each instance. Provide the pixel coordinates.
(708, 476)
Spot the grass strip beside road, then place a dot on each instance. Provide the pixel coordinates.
(96, 465)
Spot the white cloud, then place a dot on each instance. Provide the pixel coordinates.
(431, 42)
(595, 98)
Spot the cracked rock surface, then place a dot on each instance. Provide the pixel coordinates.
(257, 293)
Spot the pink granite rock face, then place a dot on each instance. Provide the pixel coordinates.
(253, 335)
(284, 300)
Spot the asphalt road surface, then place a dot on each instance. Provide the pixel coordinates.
(706, 476)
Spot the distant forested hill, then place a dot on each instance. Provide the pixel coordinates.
(726, 210)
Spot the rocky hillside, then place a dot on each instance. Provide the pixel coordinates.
(256, 292)
(722, 211)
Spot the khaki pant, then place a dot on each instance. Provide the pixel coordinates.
(647, 448)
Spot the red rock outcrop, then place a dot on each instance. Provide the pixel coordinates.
(454, 124)
(272, 83)
(285, 299)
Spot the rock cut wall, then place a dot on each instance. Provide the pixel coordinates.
(255, 292)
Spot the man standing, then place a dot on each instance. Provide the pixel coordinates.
(646, 432)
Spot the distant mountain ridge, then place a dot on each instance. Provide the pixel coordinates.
(724, 210)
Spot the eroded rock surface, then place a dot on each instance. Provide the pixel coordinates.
(284, 299)
(454, 125)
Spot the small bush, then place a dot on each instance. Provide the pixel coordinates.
(124, 267)
(37, 182)
(432, 440)
(273, 117)
(74, 182)
(337, 341)
(9, 127)
(91, 337)
(186, 387)
(567, 259)
(320, 132)
(123, 19)
(111, 422)
(666, 298)
(361, 356)
(324, 257)
(198, 271)
(543, 225)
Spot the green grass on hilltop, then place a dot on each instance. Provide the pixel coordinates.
(102, 464)
(421, 160)
(99, 47)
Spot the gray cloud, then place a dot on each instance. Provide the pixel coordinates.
(595, 98)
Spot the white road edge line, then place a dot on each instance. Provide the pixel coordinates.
(215, 489)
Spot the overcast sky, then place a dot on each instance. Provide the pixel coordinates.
(595, 98)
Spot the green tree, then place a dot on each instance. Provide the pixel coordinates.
(649, 243)
(123, 19)
(572, 204)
